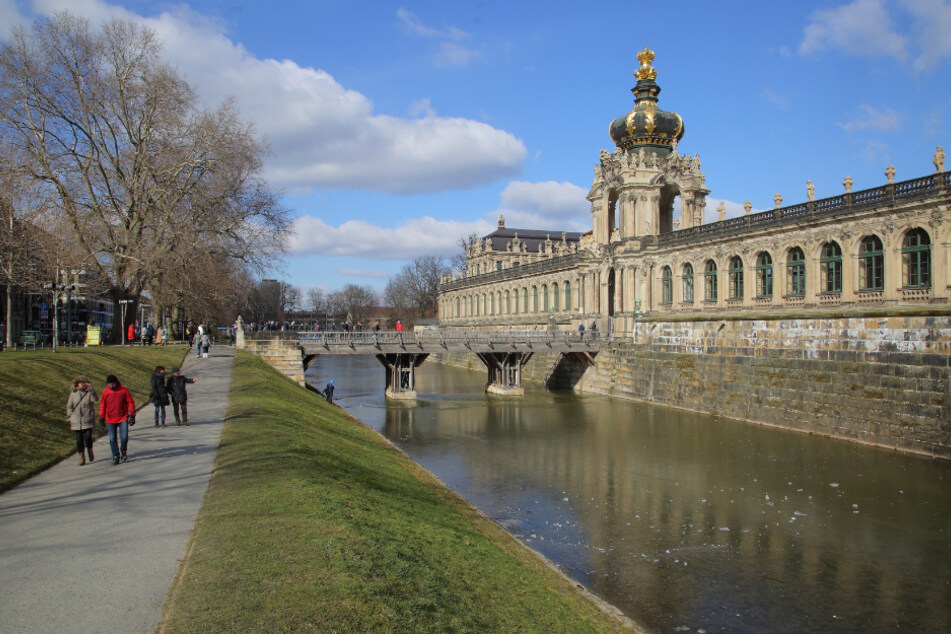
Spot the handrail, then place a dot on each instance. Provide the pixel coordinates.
(442, 338)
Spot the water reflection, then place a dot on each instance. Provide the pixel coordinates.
(683, 521)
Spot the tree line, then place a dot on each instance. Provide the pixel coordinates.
(410, 294)
(109, 165)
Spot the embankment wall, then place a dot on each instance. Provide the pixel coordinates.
(882, 381)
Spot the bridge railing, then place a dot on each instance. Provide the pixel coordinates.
(445, 338)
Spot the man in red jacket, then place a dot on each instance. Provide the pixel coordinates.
(117, 411)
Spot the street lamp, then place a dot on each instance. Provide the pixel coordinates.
(123, 303)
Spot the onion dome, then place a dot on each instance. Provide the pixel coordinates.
(647, 125)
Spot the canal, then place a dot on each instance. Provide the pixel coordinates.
(685, 522)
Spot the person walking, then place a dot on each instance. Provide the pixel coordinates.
(117, 411)
(329, 392)
(175, 385)
(81, 416)
(159, 395)
(131, 335)
(198, 336)
(205, 344)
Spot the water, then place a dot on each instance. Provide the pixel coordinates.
(685, 522)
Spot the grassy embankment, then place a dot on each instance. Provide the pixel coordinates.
(313, 522)
(34, 386)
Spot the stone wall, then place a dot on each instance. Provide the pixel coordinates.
(882, 381)
(284, 355)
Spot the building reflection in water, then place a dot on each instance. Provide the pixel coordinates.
(683, 520)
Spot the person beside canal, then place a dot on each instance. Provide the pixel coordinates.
(329, 392)
(117, 411)
(159, 395)
(175, 385)
(198, 336)
(81, 415)
(205, 344)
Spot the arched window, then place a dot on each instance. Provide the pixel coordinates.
(534, 299)
(764, 275)
(515, 301)
(556, 299)
(545, 304)
(796, 272)
(567, 295)
(871, 264)
(916, 260)
(710, 281)
(525, 307)
(498, 299)
(736, 277)
(491, 303)
(830, 263)
(508, 303)
(688, 283)
(667, 286)
(458, 307)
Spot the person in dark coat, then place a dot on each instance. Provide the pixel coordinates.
(179, 396)
(159, 395)
(329, 391)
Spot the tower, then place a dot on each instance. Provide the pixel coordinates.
(634, 188)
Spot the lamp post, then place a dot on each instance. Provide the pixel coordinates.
(123, 303)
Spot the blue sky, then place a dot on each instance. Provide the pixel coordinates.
(398, 127)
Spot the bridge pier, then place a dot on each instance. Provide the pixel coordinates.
(505, 371)
(401, 374)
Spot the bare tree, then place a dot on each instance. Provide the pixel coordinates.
(144, 179)
(460, 260)
(354, 301)
(414, 291)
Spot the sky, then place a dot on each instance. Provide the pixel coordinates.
(396, 128)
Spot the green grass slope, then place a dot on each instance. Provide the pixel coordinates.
(34, 386)
(312, 522)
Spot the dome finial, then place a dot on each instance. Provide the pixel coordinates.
(501, 221)
(646, 71)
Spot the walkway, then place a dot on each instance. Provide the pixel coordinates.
(95, 548)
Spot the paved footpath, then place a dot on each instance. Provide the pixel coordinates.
(96, 548)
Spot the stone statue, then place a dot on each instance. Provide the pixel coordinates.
(605, 155)
(810, 190)
(696, 162)
(938, 160)
(721, 211)
(778, 199)
(890, 173)
(676, 224)
(748, 206)
(847, 183)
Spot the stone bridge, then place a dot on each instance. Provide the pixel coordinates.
(504, 353)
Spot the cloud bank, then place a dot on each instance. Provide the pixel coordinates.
(322, 135)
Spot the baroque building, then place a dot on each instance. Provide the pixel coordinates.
(647, 256)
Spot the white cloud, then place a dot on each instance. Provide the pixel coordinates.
(356, 238)
(873, 119)
(863, 27)
(933, 24)
(775, 99)
(361, 273)
(323, 135)
(451, 52)
(546, 205)
(10, 18)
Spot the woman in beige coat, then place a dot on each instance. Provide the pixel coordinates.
(81, 413)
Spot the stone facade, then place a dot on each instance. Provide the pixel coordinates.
(648, 264)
